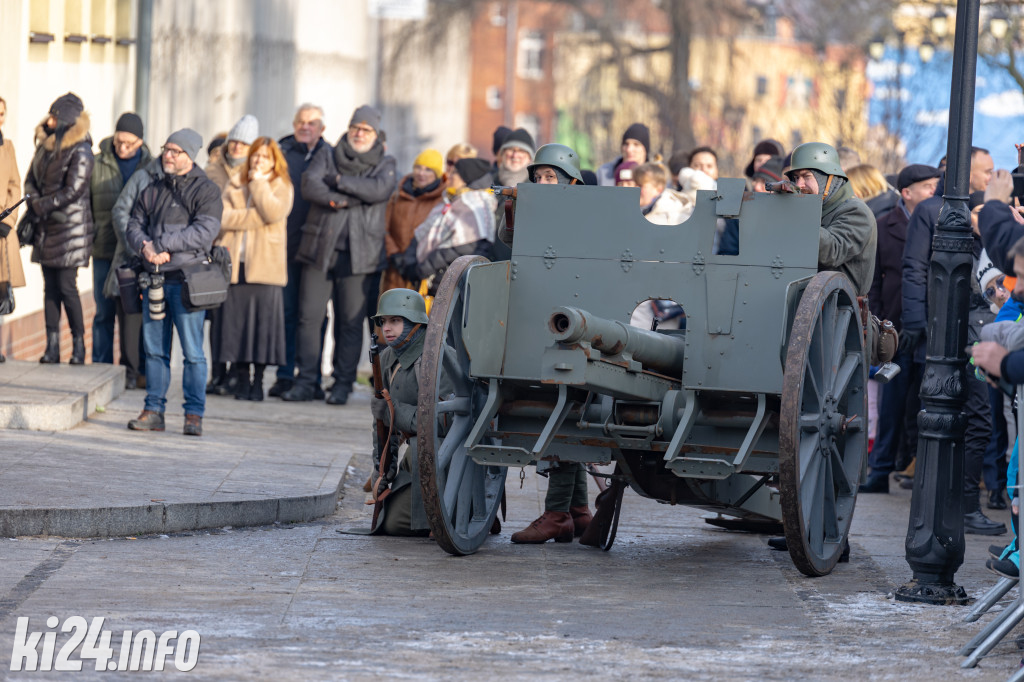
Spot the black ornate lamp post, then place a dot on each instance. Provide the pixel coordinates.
(935, 537)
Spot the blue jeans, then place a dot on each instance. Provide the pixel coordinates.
(156, 339)
(103, 321)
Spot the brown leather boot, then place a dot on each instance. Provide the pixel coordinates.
(581, 518)
(193, 425)
(551, 524)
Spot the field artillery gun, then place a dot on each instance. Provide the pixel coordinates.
(757, 410)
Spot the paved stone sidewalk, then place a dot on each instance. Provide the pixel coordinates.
(257, 463)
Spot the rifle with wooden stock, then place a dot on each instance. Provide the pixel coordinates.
(386, 450)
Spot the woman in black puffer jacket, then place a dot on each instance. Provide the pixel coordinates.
(58, 181)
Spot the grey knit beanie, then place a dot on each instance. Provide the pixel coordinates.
(246, 130)
(189, 140)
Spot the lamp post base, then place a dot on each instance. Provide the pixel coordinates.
(937, 594)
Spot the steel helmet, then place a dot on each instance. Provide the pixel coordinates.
(403, 303)
(817, 156)
(561, 157)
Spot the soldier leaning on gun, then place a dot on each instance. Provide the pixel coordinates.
(402, 315)
(566, 506)
(848, 235)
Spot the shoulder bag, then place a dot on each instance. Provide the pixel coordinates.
(204, 284)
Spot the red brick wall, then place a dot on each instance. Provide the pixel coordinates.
(529, 96)
(25, 338)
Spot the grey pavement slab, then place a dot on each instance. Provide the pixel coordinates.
(54, 397)
(674, 599)
(257, 463)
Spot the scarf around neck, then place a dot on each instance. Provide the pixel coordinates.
(350, 162)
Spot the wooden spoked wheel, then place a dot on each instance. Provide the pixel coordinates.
(461, 497)
(822, 423)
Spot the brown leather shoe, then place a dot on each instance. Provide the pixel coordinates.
(193, 425)
(551, 524)
(147, 421)
(581, 518)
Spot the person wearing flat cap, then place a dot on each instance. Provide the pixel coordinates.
(59, 208)
(342, 251)
(121, 155)
(173, 224)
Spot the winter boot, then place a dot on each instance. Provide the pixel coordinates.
(551, 524)
(243, 383)
(52, 354)
(581, 518)
(256, 389)
(77, 350)
(148, 420)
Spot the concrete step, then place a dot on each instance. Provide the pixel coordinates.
(55, 397)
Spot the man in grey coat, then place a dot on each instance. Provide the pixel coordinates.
(342, 247)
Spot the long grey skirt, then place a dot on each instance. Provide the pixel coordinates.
(251, 323)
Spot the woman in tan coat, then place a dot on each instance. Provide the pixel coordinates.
(10, 192)
(256, 207)
(228, 164)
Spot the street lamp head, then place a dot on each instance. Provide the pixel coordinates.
(940, 22)
(876, 48)
(998, 25)
(926, 51)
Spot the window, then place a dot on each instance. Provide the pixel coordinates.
(762, 86)
(493, 97)
(798, 92)
(497, 15)
(531, 55)
(795, 138)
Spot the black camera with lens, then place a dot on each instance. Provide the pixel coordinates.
(154, 282)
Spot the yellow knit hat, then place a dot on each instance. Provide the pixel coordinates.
(432, 159)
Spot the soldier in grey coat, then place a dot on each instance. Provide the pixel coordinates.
(402, 316)
(848, 235)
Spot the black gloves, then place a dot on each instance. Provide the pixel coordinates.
(909, 339)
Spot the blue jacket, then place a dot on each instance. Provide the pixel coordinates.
(1011, 311)
(999, 231)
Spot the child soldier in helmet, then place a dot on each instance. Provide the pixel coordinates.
(402, 316)
(566, 506)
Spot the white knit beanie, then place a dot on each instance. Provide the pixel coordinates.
(246, 130)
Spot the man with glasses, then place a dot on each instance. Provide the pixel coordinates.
(915, 183)
(514, 155)
(173, 224)
(120, 157)
(341, 249)
(298, 149)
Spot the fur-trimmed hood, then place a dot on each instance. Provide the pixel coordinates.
(75, 134)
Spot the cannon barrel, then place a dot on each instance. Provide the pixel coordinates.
(661, 352)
